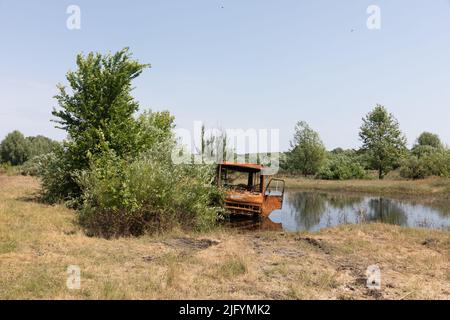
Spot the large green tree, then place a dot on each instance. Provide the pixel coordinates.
(307, 152)
(98, 112)
(14, 148)
(382, 140)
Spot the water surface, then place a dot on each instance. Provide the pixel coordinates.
(313, 211)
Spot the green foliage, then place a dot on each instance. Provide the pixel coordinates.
(428, 158)
(435, 163)
(17, 150)
(40, 145)
(382, 140)
(14, 149)
(8, 169)
(429, 139)
(341, 166)
(307, 152)
(32, 167)
(116, 168)
(38, 149)
(149, 194)
(57, 176)
(98, 112)
(413, 168)
(153, 127)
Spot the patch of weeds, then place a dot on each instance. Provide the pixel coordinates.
(318, 279)
(40, 283)
(112, 291)
(297, 293)
(172, 263)
(232, 267)
(8, 246)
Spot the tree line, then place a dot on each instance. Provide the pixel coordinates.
(16, 149)
(383, 149)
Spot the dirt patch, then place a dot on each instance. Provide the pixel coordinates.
(318, 243)
(190, 243)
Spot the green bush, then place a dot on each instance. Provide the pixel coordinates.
(8, 169)
(57, 178)
(17, 149)
(341, 167)
(149, 194)
(14, 148)
(116, 167)
(431, 163)
(40, 145)
(33, 166)
(412, 168)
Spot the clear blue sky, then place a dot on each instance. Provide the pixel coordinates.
(250, 64)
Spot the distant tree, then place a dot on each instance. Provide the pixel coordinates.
(307, 153)
(427, 143)
(429, 139)
(14, 148)
(337, 150)
(382, 140)
(40, 145)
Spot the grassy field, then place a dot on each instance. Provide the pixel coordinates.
(38, 242)
(429, 187)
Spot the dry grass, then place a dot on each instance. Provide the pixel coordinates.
(431, 186)
(38, 243)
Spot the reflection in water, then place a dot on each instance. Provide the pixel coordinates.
(316, 210)
(250, 224)
(312, 205)
(387, 211)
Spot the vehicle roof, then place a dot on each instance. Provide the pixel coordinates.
(248, 166)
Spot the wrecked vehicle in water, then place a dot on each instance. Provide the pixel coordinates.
(249, 189)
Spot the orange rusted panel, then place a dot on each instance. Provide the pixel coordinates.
(270, 204)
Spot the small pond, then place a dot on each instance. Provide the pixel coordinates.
(313, 211)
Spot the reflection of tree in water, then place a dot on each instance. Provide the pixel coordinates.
(343, 201)
(308, 208)
(387, 211)
(442, 207)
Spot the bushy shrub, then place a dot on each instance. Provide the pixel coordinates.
(149, 194)
(33, 166)
(412, 168)
(14, 148)
(341, 167)
(57, 178)
(40, 145)
(431, 163)
(116, 167)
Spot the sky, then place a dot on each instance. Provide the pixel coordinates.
(240, 63)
